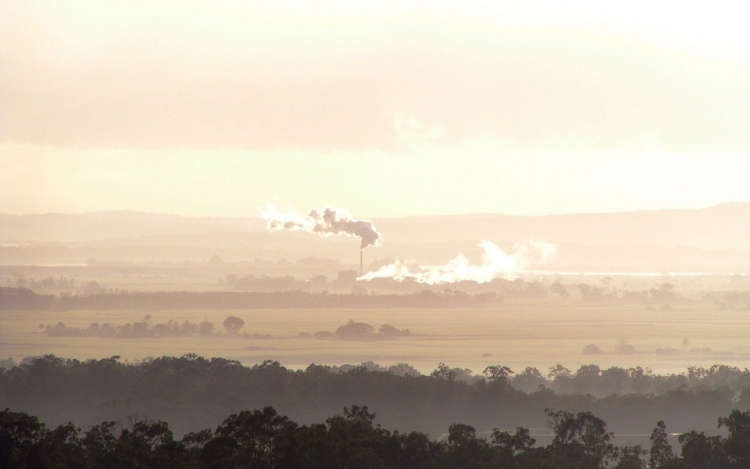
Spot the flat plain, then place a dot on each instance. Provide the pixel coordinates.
(516, 333)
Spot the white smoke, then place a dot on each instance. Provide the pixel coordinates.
(328, 222)
(495, 263)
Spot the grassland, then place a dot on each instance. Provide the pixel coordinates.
(518, 333)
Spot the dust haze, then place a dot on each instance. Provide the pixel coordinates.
(350, 234)
(465, 286)
(610, 306)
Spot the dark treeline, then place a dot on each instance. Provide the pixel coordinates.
(264, 439)
(171, 329)
(462, 294)
(193, 392)
(136, 330)
(22, 299)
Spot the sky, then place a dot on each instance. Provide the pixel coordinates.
(383, 108)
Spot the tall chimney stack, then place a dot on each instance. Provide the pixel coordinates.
(361, 273)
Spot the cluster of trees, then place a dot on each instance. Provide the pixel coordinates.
(414, 295)
(664, 294)
(264, 439)
(63, 284)
(591, 379)
(266, 283)
(144, 328)
(361, 331)
(516, 288)
(191, 391)
(46, 283)
(22, 299)
(730, 300)
(598, 382)
(232, 325)
(398, 369)
(627, 349)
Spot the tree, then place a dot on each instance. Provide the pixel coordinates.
(560, 376)
(443, 372)
(661, 450)
(100, 444)
(258, 434)
(595, 438)
(48, 283)
(386, 330)
(354, 440)
(207, 328)
(498, 375)
(701, 450)
(194, 442)
(460, 434)
(529, 380)
(563, 424)
(359, 414)
(62, 447)
(20, 434)
(582, 436)
(630, 458)
(150, 445)
(18, 279)
(592, 349)
(465, 450)
(737, 444)
(559, 289)
(354, 330)
(519, 442)
(418, 451)
(219, 452)
(233, 324)
(585, 379)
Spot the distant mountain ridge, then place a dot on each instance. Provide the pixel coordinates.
(722, 227)
(725, 226)
(92, 226)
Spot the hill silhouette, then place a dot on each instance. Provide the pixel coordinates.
(714, 239)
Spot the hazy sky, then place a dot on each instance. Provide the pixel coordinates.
(383, 108)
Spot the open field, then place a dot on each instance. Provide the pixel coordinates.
(518, 333)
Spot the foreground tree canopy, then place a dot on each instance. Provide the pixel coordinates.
(264, 439)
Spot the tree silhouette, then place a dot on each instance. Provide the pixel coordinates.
(354, 330)
(661, 450)
(233, 324)
(737, 445)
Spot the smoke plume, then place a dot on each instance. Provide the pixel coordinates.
(495, 263)
(328, 222)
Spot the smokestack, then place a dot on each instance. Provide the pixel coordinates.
(360, 263)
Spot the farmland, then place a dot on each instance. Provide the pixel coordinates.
(516, 333)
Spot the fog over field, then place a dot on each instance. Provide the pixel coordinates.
(641, 299)
(496, 320)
